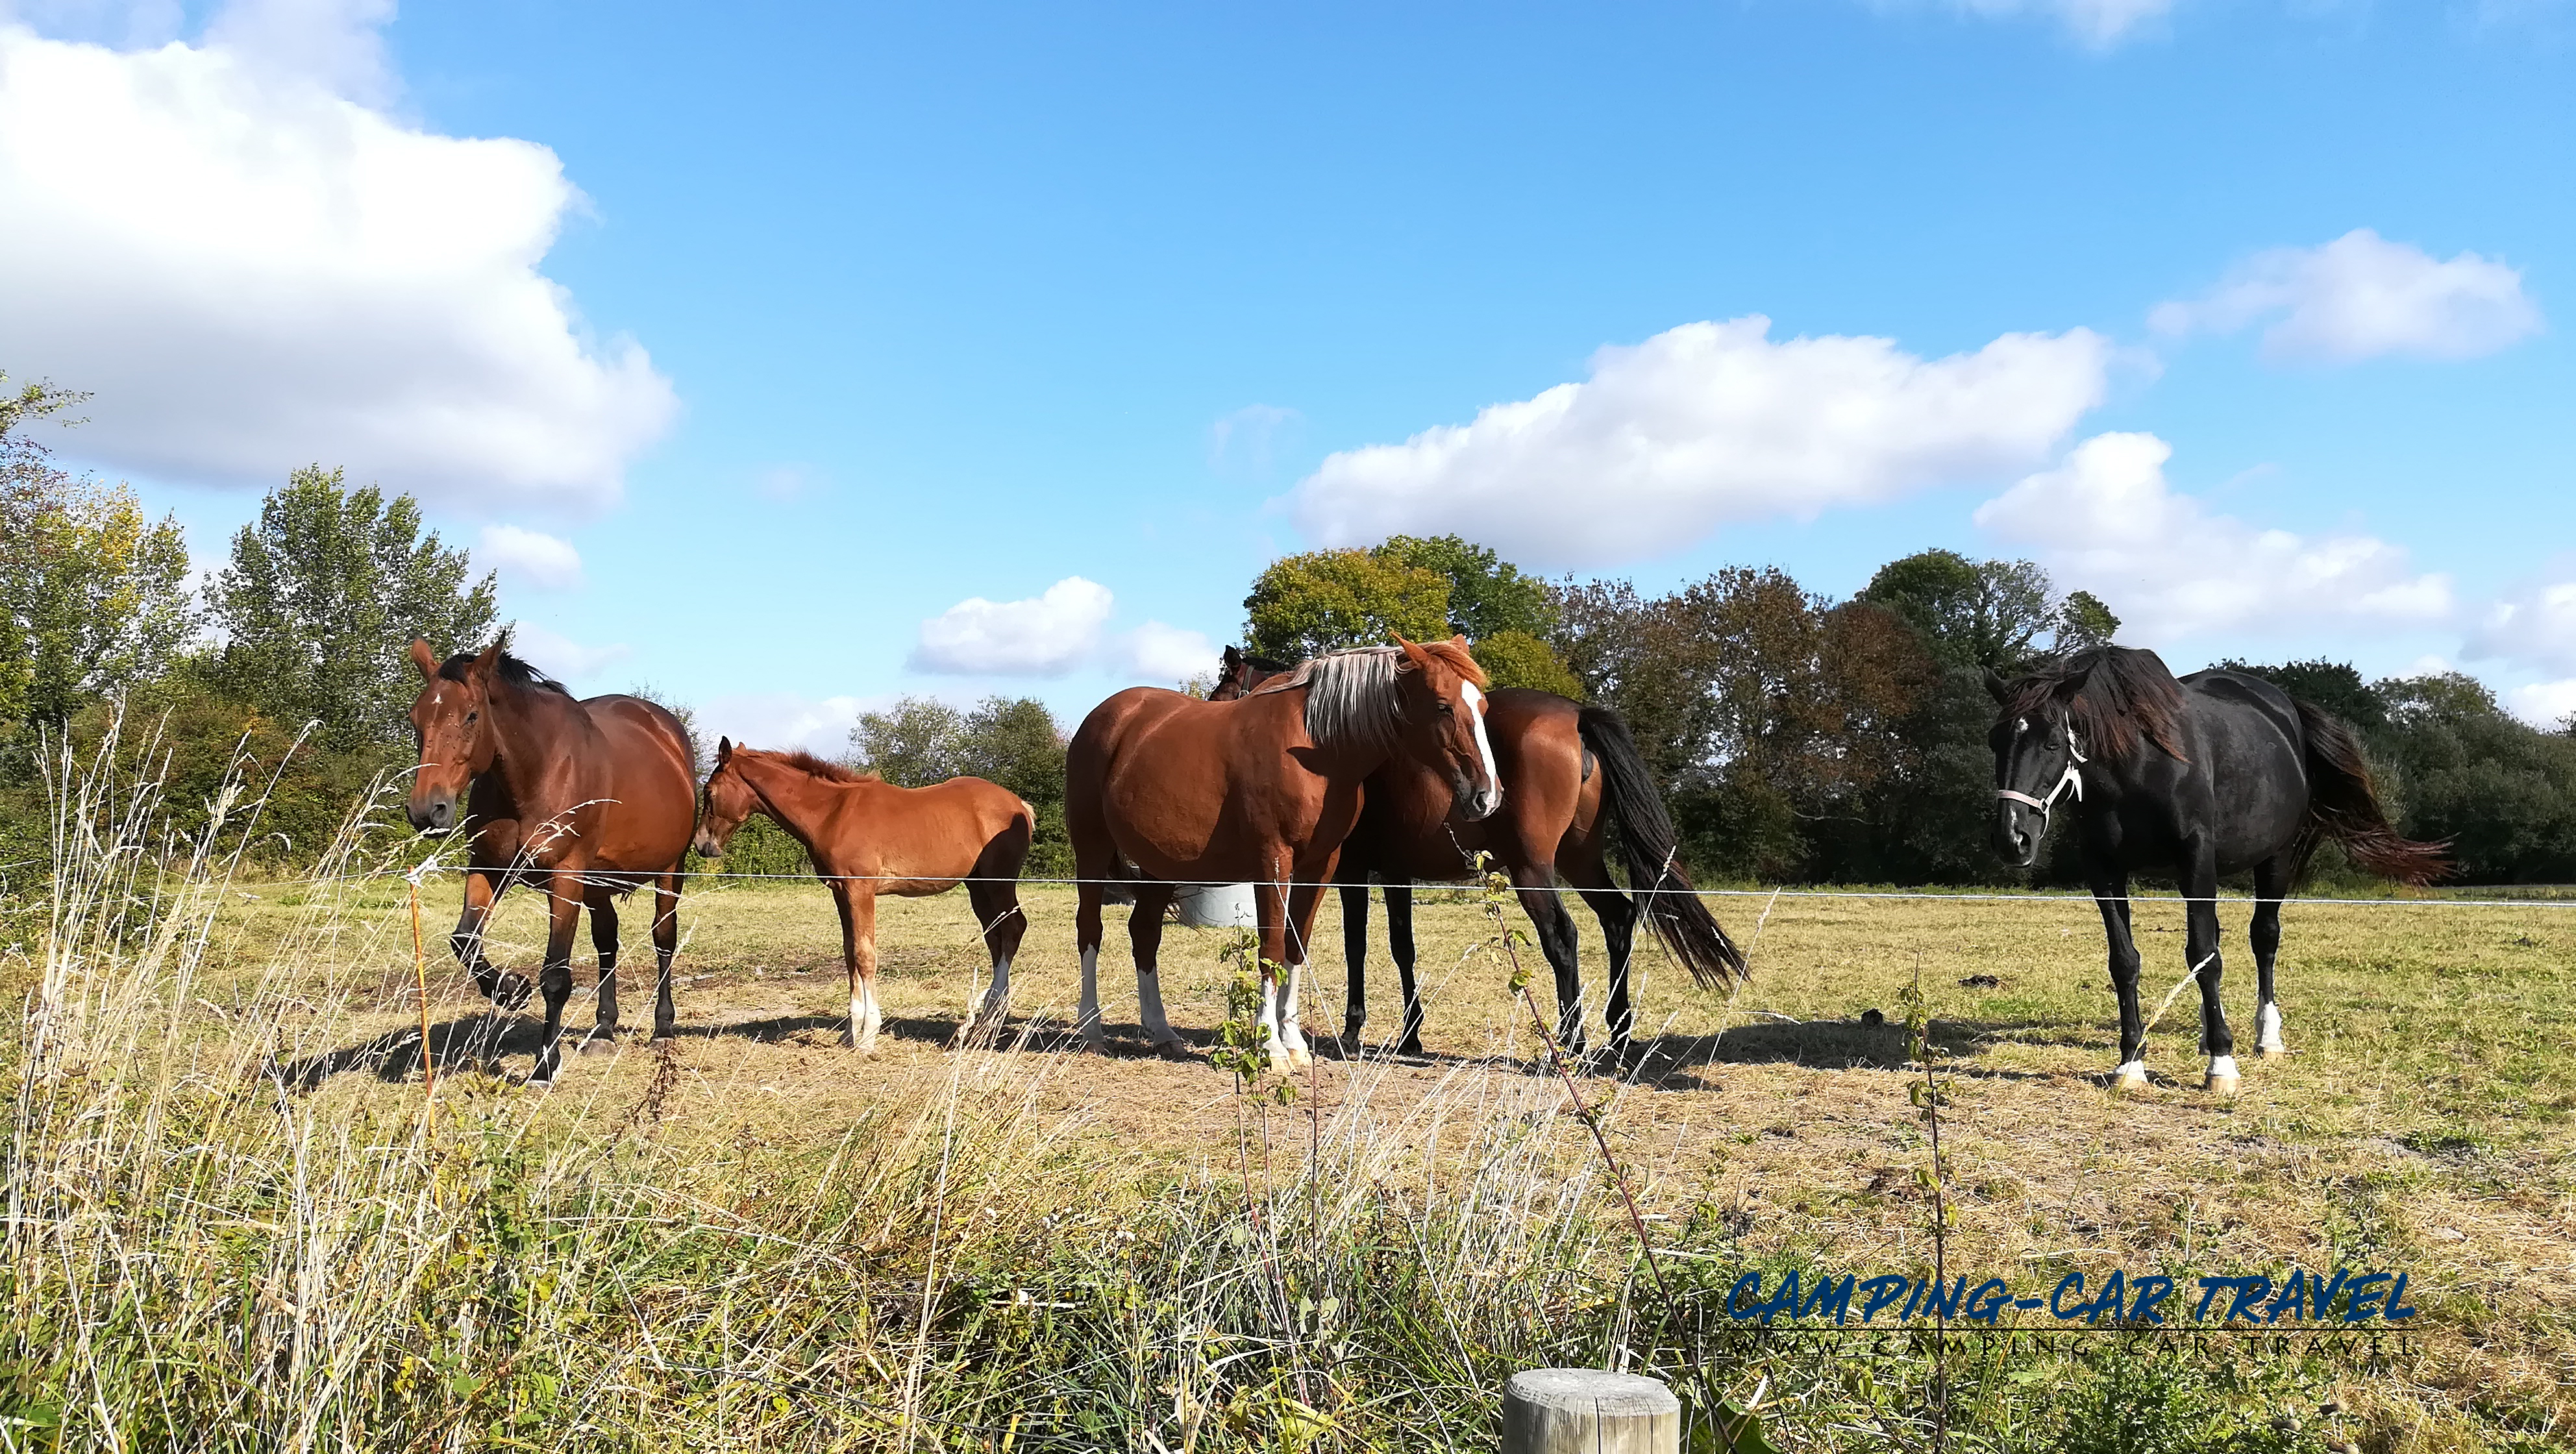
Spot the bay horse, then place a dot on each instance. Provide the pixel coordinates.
(868, 837)
(1165, 790)
(583, 801)
(2215, 774)
(1571, 775)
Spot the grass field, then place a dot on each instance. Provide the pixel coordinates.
(753, 1237)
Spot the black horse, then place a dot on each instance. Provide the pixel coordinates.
(1571, 775)
(2215, 774)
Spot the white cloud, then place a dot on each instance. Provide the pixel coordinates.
(1047, 636)
(2534, 624)
(529, 557)
(2099, 23)
(1704, 424)
(562, 657)
(1163, 654)
(2362, 296)
(1247, 441)
(780, 720)
(2543, 704)
(252, 269)
(2107, 521)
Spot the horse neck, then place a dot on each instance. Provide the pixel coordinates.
(1342, 759)
(534, 728)
(794, 799)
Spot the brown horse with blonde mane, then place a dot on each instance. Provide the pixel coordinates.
(584, 801)
(868, 837)
(1165, 790)
(1571, 775)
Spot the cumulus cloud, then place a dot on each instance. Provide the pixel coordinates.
(253, 268)
(562, 657)
(529, 557)
(1708, 423)
(2362, 296)
(2098, 23)
(1247, 441)
(1164, 654)
(1045, 636)
(2534, 623)
(2543, 704)
(2107, 521)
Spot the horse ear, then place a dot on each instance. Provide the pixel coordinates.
(489, 660)
(1233, 659)
(1996, 686)
(1415, 658)
(724, 750)
(424, 658)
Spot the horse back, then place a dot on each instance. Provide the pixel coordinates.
(2250, 750)
(921, 840)
(638, 769)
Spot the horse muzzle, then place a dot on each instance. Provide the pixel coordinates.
(2018, 832)
(1478, 805)
(433, 814)
(705, 846)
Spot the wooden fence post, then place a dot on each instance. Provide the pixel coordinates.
(1586, 1411)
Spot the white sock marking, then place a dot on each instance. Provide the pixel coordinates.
(2268, 1029)
(2222, 1065)
(1291, 1032)
(2132, 1072)
(1149, 1008)
(1270, 1015)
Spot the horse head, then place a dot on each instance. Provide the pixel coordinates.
(2039, 758)
(1239, 672)
(1441, 722)
(722, 804)
(452, 722)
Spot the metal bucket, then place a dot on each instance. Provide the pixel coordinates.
(1217, 906)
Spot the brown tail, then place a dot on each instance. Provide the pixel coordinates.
(2342, 806)
(1646, 840)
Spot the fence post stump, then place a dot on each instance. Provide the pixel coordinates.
(1586, 1411)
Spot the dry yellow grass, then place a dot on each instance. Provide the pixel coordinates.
(2421, 1121)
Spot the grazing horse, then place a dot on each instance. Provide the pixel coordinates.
(1165, 790)
(868, 837)
(1570, 774)
(583, 801)
(2215, 774)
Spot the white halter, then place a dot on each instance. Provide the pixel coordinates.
(2073, 778)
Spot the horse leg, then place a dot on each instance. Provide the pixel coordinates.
(602, 904)
(2271, 885)
(482, 889)
(1086, 940)
(563, 916)
(2111, 896)
(1354, 887)
(1145, 940)
(1536, 884)
(666, 945)
(857, 902)
(1618, 915)
(1399, 943)
(1303, 900)
(2200, 882)
(996, 899)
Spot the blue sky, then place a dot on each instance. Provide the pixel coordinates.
(2250, 317)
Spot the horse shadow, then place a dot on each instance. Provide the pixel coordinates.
(1691, 1062)
(465, 1043)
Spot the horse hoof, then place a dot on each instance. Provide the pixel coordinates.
(2128, 1079)
(2271, 1052)
(600, 1044)
(1412, 1047)
(2225, 1085)
(511, 991)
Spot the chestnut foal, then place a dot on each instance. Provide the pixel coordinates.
(868, 837)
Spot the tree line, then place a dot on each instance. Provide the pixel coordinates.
(1798, 738)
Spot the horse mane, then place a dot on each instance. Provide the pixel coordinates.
(1350, 695)
(799, 758)
(512, 670)
(2117, 695)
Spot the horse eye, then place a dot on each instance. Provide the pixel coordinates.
(470, 716)
(1448, 711)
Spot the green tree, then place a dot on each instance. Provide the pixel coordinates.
(1973, 613)
(2333, 685)
(322, 595)
(1487, 594)
(1518, 659)
(913, 743)
(2082, 621)
(1327, 600)
(93, 597)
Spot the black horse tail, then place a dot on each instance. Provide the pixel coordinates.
(2342, 806)
(1647, 841)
